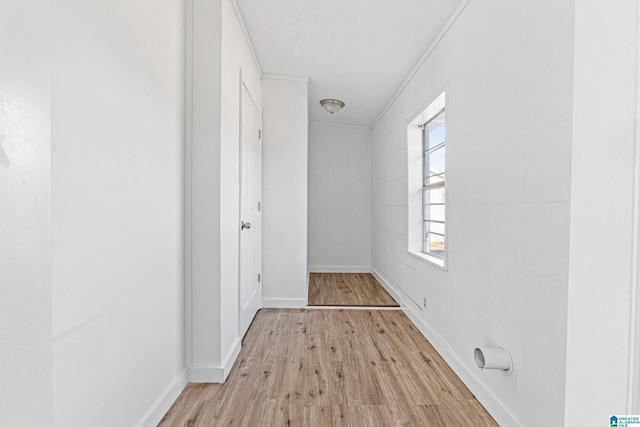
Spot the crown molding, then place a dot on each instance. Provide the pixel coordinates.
(422, 60)
(286, 77)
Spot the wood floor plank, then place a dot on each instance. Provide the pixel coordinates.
(332, 368)
(348, 289)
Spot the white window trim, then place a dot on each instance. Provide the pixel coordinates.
(414, 185)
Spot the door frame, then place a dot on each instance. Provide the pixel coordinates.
(243, 86)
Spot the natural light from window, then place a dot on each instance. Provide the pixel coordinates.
(427, 209)
(433, 186)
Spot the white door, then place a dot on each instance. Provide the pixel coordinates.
(250, 216)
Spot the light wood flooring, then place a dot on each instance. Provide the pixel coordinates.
(347, 289)
(332, 368)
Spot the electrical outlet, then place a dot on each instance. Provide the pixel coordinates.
(424, 303)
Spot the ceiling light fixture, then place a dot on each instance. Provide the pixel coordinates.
(332, 105)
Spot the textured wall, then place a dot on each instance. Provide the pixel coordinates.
(509, 162)
(25, 265)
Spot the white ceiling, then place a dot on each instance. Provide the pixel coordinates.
(358, 51)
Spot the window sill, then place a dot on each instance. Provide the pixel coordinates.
(436, 262)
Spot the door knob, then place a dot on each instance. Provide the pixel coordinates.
(245, 225)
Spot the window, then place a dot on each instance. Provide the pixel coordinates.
(426, 180)
(433, 186)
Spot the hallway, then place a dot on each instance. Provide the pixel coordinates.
(124, 193)
(348, 289)
(306, 367)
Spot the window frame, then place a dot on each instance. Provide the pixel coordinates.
(415, 183)
(427, 187)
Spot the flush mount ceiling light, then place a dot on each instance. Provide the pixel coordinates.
(332, 105)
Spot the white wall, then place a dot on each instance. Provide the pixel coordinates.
(339, 198)
(508, 187)
(284, 191)
(117, 210)
(25, 283)
(237, 59)
(601, 290)
(218, 54)
(202, 184)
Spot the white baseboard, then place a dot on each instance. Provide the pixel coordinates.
(216, 374)
(391, 290)
(157, 411)
(339, 269)
(484, 395)
(206, 374)
(284, 302)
